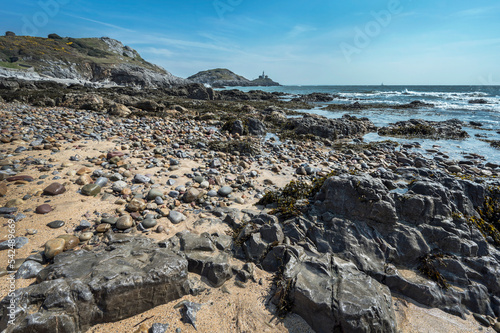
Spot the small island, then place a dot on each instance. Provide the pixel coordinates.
(222, 77)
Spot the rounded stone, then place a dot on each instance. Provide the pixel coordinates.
(84, 180)
(141, 179)
(118, 186)
(43, 209)
(56, 224)
(154, 193)
(124, 222)
(103, 227)
(86, 236)
(101, 181)
(173, 194)
(149, 223)
(224, 191)
(212, 193)
(71, 241)
(14, 203)
(54, 189)
(110, 220)
(176, 217)
(191, 195)
(136, 205)
(53, 247)
(91, 190)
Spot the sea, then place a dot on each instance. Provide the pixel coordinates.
(449, 102)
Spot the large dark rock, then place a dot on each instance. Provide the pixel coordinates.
(345, 127)
(84, 288)
(425, 220)
(332, 295)
(449, 129)
(202, 255)
(256, 127)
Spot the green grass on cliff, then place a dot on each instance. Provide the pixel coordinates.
(36, 51)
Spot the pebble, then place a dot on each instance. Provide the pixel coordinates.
(8, 210)
(124, 222)
(149, 223)
(20, 177)
(85, 236)
(154, 193)
(53, 247)
(84, 180)
(101, 181)
(141, 179)
(136, 205)
(14, 203)
(43, 209)
(224, 191)
(91, 190)
(71, 241)
(191, 195)
(103, 227)
(54, 189)
(56, 224)
(83, 171)
(454, 168)
(176, 217)
(110, 220)
(158, 328)
(119, 186)
(173, 194)
(85, 224)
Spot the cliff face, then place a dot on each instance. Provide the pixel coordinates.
(97, 60)
(221, 77)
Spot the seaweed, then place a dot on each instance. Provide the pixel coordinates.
(411, 131)
(428, 268)
(293, 199)
(488, 222)
(283, 295)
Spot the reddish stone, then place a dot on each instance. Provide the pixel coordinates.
(112, 154)
(44, 209)
(20, 177)
(135, 215)
(54, 189)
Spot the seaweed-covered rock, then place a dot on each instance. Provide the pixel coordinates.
(449, 129)
(345, 127)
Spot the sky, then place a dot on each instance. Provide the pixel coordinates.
(296, 42)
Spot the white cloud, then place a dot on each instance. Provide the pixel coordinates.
(299, 30)
(100, 22)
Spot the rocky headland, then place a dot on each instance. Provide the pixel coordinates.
(170, 210)
(221, 77)
(92, 61)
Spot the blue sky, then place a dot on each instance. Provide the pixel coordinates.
(295, 42)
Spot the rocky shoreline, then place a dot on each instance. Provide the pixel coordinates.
(155, 197)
